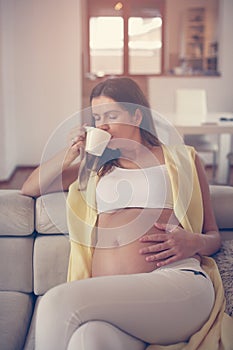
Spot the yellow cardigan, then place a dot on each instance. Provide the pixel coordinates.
(217, 332)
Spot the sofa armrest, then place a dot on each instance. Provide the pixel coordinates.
(50, 212)
(16, 213)
(222, 201)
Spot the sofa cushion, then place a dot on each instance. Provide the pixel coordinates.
(51, 256)
(30, 342)
(222, 201)
(16, 264)
(16, 213)
(15, 317)
(51, 213)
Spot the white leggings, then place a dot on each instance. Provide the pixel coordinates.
(123, 312)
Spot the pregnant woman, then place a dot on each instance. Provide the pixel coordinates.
(140, 223)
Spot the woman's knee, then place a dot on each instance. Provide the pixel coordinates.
(51, 302)
(62, 300)
(56, 318)
(99, 335)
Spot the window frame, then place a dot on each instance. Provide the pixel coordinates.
(106, 8)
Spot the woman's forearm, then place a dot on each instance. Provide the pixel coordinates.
(43, 176)
(48, 176)
(209, 242)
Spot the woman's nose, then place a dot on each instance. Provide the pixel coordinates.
(103, 125)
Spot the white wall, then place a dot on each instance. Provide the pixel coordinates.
(219, 89)
(41, 61)
(7, 89)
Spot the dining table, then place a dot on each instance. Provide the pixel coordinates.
(218, 124)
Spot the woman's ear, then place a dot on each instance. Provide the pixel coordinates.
(137, 117)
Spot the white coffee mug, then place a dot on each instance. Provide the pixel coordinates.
(96, 140)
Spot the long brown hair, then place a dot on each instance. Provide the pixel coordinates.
(127, 93)
(130, 97)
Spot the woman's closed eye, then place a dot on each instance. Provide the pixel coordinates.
(108, 117)
(112, 115)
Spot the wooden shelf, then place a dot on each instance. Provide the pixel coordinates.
(195, 36)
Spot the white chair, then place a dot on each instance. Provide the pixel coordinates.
(191, 108)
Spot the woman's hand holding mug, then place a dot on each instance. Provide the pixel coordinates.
(76, 143)
(92, 140)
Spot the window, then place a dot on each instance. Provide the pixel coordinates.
(125, 38)
(143, 37)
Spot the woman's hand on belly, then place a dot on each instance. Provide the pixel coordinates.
(170, 244)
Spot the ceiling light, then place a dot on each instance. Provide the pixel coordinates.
(118, 6)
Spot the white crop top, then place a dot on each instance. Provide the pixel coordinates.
(138, 188)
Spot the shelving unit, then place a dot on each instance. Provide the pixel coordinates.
(195, 39)
(200, 50)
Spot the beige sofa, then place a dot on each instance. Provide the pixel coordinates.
(34, 252)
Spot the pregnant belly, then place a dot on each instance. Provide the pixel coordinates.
(118, 245)
(120, 260)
